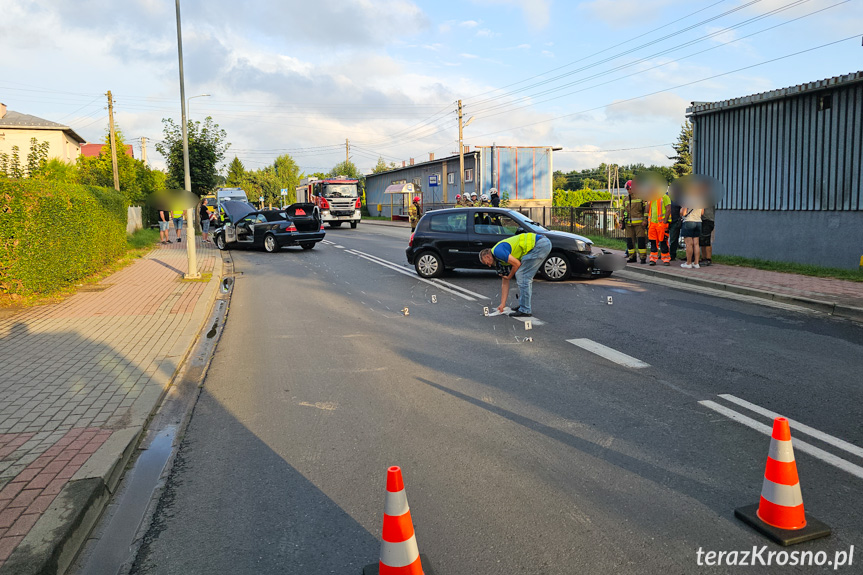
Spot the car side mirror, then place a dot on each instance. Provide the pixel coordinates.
(519, 231)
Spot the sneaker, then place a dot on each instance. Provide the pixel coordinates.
(686, 266)
(652, 263)
(696, 266)
(519, 313)
(179, 240)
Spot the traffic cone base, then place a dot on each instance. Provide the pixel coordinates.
(376, 569)
(814, 529)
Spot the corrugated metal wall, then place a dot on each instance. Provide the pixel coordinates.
(523, 172)
(786, 154)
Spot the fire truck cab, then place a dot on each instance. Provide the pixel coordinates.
(337, 199)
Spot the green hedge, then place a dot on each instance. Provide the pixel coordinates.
(53, 234)
(575, 198)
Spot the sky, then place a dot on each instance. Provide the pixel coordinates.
(606, 80)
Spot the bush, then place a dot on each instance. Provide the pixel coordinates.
(567, 198)
(53, 234)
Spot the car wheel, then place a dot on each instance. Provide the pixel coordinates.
(429, 265)
(555, 268)
(220, 242)
(308, 245)
(270, 244)
(354, 225)
(335, 224)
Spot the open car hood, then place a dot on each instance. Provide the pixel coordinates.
(237, 210)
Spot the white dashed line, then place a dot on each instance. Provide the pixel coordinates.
(340, 247)
(533, 320)
(403, 271)
(799, 445)
(802, 428)
(608, 353)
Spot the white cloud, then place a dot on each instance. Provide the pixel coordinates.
(665, 106)
(469, 24)
(486, 33)
(623, 13)
(547, 54)
(537, 13)
(468, 56)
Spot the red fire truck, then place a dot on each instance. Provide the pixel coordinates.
(337, 198)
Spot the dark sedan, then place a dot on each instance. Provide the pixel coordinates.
(295, 225)
(453, 238)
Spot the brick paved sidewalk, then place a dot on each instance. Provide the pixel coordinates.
(75, 372)
(827, 290)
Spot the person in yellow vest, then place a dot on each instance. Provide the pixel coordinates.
(659, 217)
(635, 224)
(177, 216)
(518, 256)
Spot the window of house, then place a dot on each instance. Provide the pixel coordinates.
(468, 175)
(450, 178)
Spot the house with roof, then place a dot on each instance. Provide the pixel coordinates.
(17, 129)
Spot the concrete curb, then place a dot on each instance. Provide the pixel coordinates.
(55, 540)
(386, 223)
(830, 308)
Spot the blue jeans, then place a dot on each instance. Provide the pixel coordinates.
(530, 263)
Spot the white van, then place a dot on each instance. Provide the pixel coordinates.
(233, 194)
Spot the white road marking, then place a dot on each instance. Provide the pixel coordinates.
(826, 438)
(799, 445)
(340, 247)
(433, 280)
(409, 274)
(608, 353)
(535, 321)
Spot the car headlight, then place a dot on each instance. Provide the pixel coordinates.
(582, 246)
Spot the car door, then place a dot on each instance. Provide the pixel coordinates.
(246, 229)
(449, 230)
(488, 227)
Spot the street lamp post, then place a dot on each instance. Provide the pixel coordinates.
(189, 102)
(192, 271)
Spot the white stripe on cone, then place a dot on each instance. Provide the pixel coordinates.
(778, 494)
(781, 450)
(399, 554)
(396, 504)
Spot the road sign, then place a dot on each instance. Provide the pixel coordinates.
(434, 180)
(284, 191)
(261, 198)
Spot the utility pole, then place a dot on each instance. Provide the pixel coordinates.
(347, 152)
(113, 142)
(460, 152)
(144, 149)
(191, 254)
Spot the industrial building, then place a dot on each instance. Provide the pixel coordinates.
(524, 173)
(791, 163)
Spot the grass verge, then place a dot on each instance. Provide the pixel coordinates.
(138, 245)
(610, 243)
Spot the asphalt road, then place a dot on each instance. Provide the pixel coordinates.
(518, 456)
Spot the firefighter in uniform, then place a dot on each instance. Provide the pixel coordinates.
(635, 225)
(659, 217)
(415, 212)
(485, 201)
(458, 202)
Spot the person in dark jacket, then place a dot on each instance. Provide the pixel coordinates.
(495, 197)
(674, 229)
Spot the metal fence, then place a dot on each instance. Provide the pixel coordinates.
(596, 221)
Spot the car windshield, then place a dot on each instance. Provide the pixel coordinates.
(340, 191)
(530, 224)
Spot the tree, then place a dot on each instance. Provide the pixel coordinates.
(207, 147)
(37, 158)
(137, 180)
(382, 166)
(348, 169)
(683, 160)
(236, 172)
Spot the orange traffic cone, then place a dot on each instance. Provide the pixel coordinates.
(399, 552)
(779, 515)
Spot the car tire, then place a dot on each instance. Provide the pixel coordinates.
(556, 267)
(354, 225)
(270, 243)
(308, 245)
(335, 224)
(220, 242)
(429, 265)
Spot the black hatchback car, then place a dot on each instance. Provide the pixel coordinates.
(452, 238)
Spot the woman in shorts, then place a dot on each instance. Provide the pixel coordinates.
(205, 215)
(691, 231)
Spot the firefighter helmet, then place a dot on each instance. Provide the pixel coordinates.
(493, 192)
(457, 197)
(628, 185)
(485, 198)
(416, 199)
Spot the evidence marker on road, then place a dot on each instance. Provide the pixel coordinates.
(779, 515)
(434, 299)
(399, 551)
(608, 353)
(406, 311)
